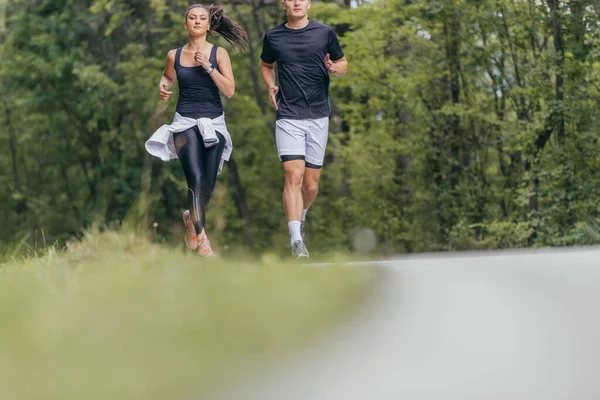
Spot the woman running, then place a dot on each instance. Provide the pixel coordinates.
(198, 135)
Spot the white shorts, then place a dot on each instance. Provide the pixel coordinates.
(305, 139)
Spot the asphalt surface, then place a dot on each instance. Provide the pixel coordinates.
(498, 325)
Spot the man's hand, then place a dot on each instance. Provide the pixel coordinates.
(164, 93)
(273, 96)
(330, 65)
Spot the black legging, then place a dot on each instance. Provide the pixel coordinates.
(200, 165)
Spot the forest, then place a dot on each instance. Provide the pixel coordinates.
(461, 125)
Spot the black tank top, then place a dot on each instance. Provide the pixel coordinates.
(198, 94)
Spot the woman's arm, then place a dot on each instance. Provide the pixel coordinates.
(168, 78)
(223, 77)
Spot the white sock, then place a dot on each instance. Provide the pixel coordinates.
(294, 227)
(304, 211)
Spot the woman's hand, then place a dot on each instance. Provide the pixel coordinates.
(201, 59)
(164, 92)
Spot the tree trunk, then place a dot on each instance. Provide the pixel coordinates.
(12, 142)
(578, 28)
(253, 63)
(240, 201)
(560, 57)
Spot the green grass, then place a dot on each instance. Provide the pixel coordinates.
(117, 317)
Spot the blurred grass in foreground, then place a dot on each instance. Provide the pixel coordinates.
(117, 317)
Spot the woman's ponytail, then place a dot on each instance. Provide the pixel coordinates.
(223, 25)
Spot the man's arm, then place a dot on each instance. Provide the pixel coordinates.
(341, 67)
(337, 67)
(268, 75)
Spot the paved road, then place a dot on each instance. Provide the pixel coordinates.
(506, 326)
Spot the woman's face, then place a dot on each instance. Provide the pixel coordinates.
(197, 22)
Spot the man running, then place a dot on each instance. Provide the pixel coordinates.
(305, 52)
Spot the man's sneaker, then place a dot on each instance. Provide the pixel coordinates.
(299, 249)
(191, 239)
(204, 248)
(302, 230)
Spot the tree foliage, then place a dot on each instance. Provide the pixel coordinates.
(461, 124)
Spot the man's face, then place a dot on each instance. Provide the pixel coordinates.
(296, 8)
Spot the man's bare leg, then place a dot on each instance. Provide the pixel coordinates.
(310, 188)
(292, 196)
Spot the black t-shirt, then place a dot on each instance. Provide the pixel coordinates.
(303, 78)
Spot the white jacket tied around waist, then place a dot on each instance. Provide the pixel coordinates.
(161, 143)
